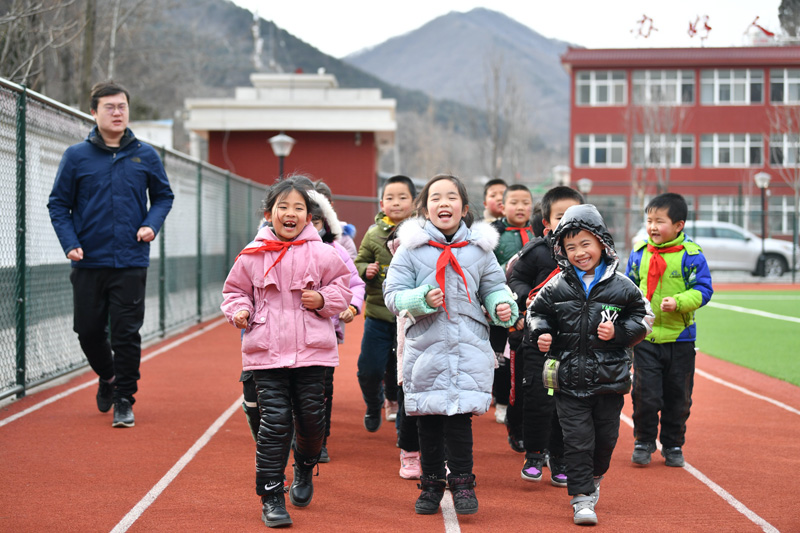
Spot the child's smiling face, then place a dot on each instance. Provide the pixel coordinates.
(660, 227)
(518, 206)
(289, 216)
(583, 250)
(445, 207)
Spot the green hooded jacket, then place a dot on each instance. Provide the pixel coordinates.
(372, 249)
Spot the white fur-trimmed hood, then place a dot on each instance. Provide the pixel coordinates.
(327, 213)
(412, 234)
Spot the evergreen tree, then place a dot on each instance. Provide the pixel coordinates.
(789, 16)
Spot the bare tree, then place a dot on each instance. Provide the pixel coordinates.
(784, 148)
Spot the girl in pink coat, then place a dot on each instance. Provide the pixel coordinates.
(283, 290)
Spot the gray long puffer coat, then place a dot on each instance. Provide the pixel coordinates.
(448, 363)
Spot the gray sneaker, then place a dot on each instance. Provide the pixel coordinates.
(123, 414)
(673, 456)
(642, 452)
(105, 395)
(583, 507)
(596, 493)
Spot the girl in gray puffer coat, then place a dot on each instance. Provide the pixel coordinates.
(442, 273)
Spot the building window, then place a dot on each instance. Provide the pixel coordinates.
(663, 87)
(731, 87)
(662, 150)
(784, 149)
(600, 88)
(731, 150)
(600, 151)
(784, 86)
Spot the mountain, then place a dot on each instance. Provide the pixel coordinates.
(447, 58)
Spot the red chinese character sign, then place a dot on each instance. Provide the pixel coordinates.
(645, 28)
(702, 31)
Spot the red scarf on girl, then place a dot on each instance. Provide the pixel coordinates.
(445, 258)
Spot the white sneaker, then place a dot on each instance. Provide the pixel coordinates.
(596, 493)
(500, 413)
(583, 507)
(390, 408)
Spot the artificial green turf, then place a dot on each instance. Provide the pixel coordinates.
(767, 345)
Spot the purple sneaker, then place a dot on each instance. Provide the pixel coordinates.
(532, 469)
(558, 472)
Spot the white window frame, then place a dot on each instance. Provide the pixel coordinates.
(718, 79)
(786, 77)
(599, 141)
(661, 81)
(789, 143)
(608, 81)
(643, 145)
(731, 142)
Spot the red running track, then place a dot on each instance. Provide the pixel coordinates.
(64, 468)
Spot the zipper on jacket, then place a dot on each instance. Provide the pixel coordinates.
(583, 353)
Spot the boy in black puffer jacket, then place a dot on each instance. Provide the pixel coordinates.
(588, 317)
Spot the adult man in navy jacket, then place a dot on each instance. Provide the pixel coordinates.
(98, 207)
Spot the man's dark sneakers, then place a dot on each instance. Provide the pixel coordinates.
(105, 395)
(273, 507)
(372, 420)
(123, 414)
(642, 452)
(431, 495)
(673, 456)
(302, 489)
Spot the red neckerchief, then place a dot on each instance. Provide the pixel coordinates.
(445, 258)
(657, 266)
(272, 246)
(523, 233)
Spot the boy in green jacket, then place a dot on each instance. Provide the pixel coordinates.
(380, 330)
(672, 272)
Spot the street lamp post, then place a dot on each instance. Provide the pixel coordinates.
(584, 187)
(762, 182)
(561, 175)
(281, 146)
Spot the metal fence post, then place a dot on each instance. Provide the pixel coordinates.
(228, 236)
(199, 241)
(162, 267)
(21, 238)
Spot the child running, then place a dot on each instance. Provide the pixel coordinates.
(442, 273)
(587, 317)
(542, 436)
(674, 275)
(283, 290)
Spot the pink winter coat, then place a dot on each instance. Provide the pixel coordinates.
(281, 333)
(357, 287)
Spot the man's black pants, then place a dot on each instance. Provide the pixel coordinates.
(114, 297)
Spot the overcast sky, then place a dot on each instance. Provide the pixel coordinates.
(341, 27)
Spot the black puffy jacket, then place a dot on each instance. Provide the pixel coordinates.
(588, 365)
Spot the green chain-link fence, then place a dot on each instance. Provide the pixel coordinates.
(214, 215)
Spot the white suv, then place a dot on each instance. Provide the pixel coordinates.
(727, 246)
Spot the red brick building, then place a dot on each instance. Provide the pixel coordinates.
(339, 135)
(697, 121)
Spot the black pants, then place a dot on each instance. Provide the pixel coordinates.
(540, 425)
(663, 379)
(407, 431)
(591, 429)
(115, 296)
(281, 393)
(438, 433)
(501, 389)
(328, 401)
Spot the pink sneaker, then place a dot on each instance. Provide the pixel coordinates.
(409, 465)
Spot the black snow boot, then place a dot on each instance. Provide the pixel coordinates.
(302, 489)
(463, 488)
(431, 495)
(273, 505)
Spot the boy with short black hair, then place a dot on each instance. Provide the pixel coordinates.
(586, 318)
(674, 275)
(515, 232)
(380, 330)
(541, 431)
(493, 193)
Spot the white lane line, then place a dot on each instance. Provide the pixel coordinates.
(748, 392)
(719, 491)
(82, 386)
(753, 312)
(449, 514)
(138, 509)
(777, 297)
